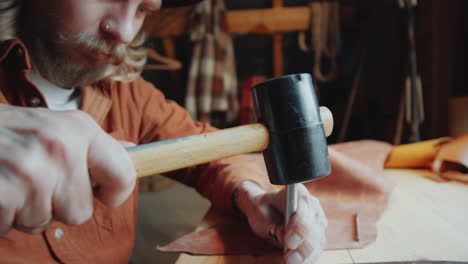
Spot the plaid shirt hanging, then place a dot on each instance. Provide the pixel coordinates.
(212, 83)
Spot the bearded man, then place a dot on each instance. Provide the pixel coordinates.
(69, 90)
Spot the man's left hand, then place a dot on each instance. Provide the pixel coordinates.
(304, 236)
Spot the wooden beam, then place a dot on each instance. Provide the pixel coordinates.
(167, 23)
(277, 45)
(268, 21)
(256, 21)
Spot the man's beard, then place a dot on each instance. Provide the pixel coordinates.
(53, 63)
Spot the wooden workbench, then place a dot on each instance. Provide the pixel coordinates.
(425, 220)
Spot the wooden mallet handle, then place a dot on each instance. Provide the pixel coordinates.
(173, 154)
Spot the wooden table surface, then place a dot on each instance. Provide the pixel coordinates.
(425, 220)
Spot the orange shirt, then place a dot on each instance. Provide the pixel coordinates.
(135, 112)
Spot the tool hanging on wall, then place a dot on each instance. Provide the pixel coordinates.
(324, 37)
(413, 95)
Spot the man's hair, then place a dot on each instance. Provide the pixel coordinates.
(8, 19)
(133, 64)
(127, 71)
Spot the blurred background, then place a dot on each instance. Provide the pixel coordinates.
(366, 91)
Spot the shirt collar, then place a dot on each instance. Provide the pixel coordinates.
(96, 97)
(16, 47)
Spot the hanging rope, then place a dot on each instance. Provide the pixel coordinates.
(324, 37)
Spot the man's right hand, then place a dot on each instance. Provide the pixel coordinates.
(48, 160)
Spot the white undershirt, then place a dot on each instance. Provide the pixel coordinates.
(57, 98)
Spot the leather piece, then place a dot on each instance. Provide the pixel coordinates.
(228, 237)
(415, 155)
(355, 190)
(446, 157)
(451, 162)
(356, 186)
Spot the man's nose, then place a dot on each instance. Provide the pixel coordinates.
(122, 28)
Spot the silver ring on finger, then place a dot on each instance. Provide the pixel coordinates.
(272, 231)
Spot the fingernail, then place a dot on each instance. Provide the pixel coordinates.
(294, 258)
(293, 241)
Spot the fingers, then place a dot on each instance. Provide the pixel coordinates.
(277, 199)
(308, 219)
(30, 214)
(307, 253)
(304, 237)
(21, 157)
(57, 180)
(36, 214)
(275, 234)
(8, 201)
(73, 197)
(112, 169)
(44, 160)
(105, 161)
(305, 234)
(307, 247)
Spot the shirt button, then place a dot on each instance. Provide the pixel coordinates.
(35, 101)
(19, 51)
(58, 233)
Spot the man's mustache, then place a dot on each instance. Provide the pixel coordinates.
(96, 45)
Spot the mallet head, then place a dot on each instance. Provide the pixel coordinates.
(297, 151)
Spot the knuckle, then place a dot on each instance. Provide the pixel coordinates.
(27, 113)
(122, 175)
(35, 156)
(77, 217)
(302, 188)
(123, 183)
(52, 144)
(51, 131)
(125, 180)
(324, 222)
(43, 118)
(85, 123)
(28, 165)
(312, 252)
(62, 123)
(81, 117)
(20, 153)
(27, 151)
(29, 143)
(314, 201)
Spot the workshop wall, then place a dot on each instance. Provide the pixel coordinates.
(373, 37)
